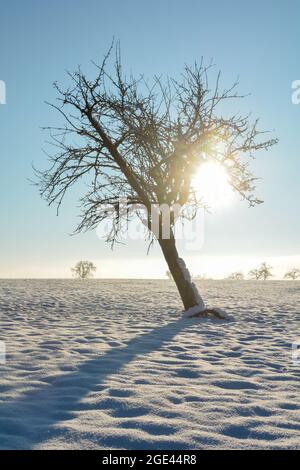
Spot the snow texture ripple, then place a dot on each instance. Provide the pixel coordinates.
(113, 365)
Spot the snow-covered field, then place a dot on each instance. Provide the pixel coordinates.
(109, 364)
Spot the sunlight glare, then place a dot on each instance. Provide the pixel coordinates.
(211, 183)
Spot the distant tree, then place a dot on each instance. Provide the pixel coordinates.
(254, 274)
(265, 271)
(131, 139)
(236, 276)
(84, 269)
(293, 274)
(169, 275)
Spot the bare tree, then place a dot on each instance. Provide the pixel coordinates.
(265, 271)
(293, 274)
(236, 276)
(255, 274)
(169, 275)
(131, 139)
(84, 269)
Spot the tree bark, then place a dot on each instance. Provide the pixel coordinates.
(187, 289)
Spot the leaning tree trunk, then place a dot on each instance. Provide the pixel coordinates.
(187, 289)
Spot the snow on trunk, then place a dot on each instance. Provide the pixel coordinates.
(199, 307)
(207, 312)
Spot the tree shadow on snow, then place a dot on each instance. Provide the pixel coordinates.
(38, 415)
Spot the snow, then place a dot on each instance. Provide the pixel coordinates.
(200, 309)
(191, 312)
(219, 313)
(184, 269)
(200, 304)
(113, 365)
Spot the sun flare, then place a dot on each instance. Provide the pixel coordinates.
(211, 183)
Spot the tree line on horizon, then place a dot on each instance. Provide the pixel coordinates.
(261, 273)
(86, 269)
(264, 272)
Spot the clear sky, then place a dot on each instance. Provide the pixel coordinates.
(257, 41)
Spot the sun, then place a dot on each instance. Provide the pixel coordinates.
(211, 183)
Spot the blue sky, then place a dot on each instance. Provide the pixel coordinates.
(39, 41)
